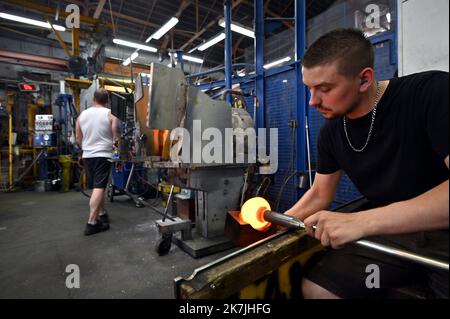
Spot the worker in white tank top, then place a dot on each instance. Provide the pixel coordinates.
(96, 126)
(96, 131)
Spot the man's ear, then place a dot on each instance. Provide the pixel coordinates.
(367, 77)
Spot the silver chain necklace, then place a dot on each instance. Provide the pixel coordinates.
(374, 114)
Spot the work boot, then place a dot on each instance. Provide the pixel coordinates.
(104, 218)
(94, 229)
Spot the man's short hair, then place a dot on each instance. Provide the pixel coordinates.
(349, 47)
(101, 97)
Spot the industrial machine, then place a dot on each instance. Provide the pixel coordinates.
(170, 118)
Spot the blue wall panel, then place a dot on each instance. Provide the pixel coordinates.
(248, 87)
(280, 110)
(383, 68)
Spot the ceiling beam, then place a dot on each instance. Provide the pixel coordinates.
(270, 13)
(99, 9)
(196, 16)
(134, 20)
(149, 24)
(236, 45)
(183, 6)
(43, 9)
(33, 60)
(215, 21)
(266, 5)
(287, 7)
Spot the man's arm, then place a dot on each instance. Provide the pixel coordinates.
(78, 134)
(429, 211)
(115, 127)
(319, 197)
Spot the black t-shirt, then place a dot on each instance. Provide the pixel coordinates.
(410, 141)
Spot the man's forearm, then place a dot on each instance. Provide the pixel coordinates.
(116, 134)
(309, 204)
(429, 211)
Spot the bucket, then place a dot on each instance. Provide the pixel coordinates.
(65, 161)
(39, 186)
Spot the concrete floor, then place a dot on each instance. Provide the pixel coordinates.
(42, 233)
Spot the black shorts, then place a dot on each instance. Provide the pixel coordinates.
(345, 272)
(97, 171)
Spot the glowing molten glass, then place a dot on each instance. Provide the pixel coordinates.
(252, 213)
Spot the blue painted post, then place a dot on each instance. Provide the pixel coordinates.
(301, 101)
(259, 62)
(228, 83)
(180, 58)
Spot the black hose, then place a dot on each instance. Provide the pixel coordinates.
(290, 167)
(281, 190)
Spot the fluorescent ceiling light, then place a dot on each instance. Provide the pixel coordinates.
(241, 73)
(127, 62)
(163, 30)
(134, 55)
(193, 59)
(190, 58)
(135, 45)
(388, 17)
(31, 21)
(278, 62)
(238, 28)
(212, 42)
(193, 49)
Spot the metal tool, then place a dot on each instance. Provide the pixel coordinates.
(263, 214)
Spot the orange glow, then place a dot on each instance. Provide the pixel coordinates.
(252, 213)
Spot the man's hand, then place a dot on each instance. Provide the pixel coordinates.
(335, 229)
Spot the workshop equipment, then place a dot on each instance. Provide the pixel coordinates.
(271, 268)
(164, 102)
(120, 180)
(258, 214)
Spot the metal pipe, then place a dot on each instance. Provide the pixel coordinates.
(234, 92)
(291, 222)
(404, 254)
(259, 64)
(166, 209)
(60, 40)
(228, 35)
(10, 157)
(234, 66)
(129, 177)
(33, 58)
(280, 19)
(308, 151)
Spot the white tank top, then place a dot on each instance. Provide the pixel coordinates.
(97, 132)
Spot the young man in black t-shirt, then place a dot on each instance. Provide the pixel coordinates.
(392, 139)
